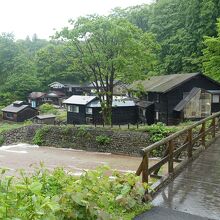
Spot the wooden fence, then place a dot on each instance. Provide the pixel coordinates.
(180, 148)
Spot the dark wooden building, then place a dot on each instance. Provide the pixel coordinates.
(119, 89)
(71, 88)
(36, 98)
(18, 112)
(87, 110)
(174, 98)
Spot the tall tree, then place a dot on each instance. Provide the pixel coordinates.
(107, 49)
(55, 63)
(211, 58)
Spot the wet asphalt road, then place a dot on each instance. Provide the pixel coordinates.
(21, 156)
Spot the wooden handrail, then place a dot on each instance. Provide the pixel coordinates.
(172, 153)
(178, 133)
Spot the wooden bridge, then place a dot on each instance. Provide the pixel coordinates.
(192, 184)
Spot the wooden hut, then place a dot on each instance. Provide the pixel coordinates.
(18, 112)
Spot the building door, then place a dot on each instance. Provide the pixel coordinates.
(33, 104)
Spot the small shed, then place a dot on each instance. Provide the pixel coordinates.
(19, 112)
(45, 119)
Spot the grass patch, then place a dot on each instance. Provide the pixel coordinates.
(58, 195)
(4, 126)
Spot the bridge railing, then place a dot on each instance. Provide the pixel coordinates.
(179, 149)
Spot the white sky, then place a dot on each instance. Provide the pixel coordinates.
(26, 17)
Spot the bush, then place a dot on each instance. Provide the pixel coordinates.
(103, 140)
(48, 108)
(58, 195)
(39, 135)
(82, 132)
(157, 132)
(2, 140)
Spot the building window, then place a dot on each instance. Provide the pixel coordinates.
(73, 108)
(33, 104)
(9, 115)
(157, 115)
(89, 111)
(215, 99)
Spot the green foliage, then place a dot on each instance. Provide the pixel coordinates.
(103, 140)
(174, 23)
(156, 133)
(211, 58)
(56, 194)
(82, 132)
(61, 116)
(9, 126)
(107, 48)
(38, 138)
(48, 108)
(2, 140)
(159, 131)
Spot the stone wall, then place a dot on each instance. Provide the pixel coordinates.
(121, 142)
(19, 135)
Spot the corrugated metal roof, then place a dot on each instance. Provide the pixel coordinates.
(14, 109)
(214, 91)
(162, 83)
(35, 95)
(144, 104)
(79, 100)
(117, 102)
(180, 106)
(45, 116)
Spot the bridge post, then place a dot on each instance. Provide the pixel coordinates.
(190, 147)
(170, 150)
(214, 128)
(203, 134)
(145, 172)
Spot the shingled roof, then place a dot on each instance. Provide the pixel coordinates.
(163, 83)
(15, 108)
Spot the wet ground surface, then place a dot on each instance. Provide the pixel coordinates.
(21, 156)
(160, 213)
(197, 189)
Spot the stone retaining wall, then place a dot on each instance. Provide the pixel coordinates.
(19, 135)
(121, 142)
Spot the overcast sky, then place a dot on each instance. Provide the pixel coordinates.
(26, 17)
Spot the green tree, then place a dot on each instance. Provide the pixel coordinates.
(180, 26)
(55, 63)
(8, 53)
(211, 58)
(106, 49)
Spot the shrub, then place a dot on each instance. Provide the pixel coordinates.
(103, 140)
(48, 108)
(2, 140)
(58, 195)
(81, 132)
(157, 132)
(39, 135)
